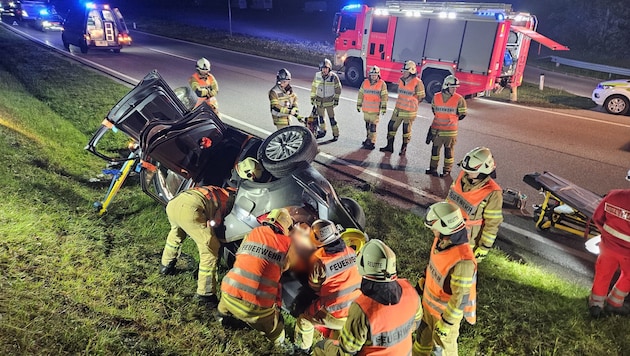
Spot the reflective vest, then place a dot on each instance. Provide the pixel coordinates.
(407, 99)
(260, 260)
(435, 298)
(613, 216)
(446, 117)
(212, 101)
(342, 284)
(469, 202)
(390, 326)
(372, 96)
(325, 87)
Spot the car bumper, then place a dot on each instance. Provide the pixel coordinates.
(598, 96)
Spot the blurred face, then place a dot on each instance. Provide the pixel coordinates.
(472, 175)
(325, 71)
(284, 83)
(452, 90)
(373, 77)
(203, 72)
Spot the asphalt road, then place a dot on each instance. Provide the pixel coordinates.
(590, 148)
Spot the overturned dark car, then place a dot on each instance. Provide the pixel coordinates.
(175, 147)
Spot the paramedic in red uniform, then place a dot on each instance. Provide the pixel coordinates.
(612, 218)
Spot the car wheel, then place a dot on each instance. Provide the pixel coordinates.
(117, 50)
(354, 73)
(286, 149)
(84, 48)
(433, 85)
(617, 104)
(355, 210)
(66, 45)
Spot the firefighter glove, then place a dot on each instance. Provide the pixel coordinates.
(383, 110)
(442, 328)
(420, 285)
(313, 101)
(358, 108)
(335, 102)
(429, 136)
(480, 253)
(295, 112)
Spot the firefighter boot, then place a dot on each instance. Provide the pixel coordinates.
(389, 147)
(169, 269)
(432, 171)
(403, 149)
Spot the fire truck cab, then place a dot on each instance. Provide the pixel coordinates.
(483, 44)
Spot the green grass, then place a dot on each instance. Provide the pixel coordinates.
(303, 52)
(530, 95)
(74, 283)
(547, 64)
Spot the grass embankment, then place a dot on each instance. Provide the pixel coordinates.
(530, 95)
(73, 283)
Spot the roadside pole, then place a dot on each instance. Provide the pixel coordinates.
(230, 16)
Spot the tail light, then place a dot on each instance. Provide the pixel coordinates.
(124, 38)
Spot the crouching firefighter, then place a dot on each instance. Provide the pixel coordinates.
(198, 213)
(449, 285)
(251, 289)
(382, 319)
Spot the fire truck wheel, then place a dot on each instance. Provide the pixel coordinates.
(354, 73)
(432, 84)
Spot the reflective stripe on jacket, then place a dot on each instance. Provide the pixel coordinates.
(407, 95)
(372, 97)
(196, 83)
(446, 117)
(469, 201)
(612, 216)
(260, 261)
(390, 326)
(342, 283)
(437, 287)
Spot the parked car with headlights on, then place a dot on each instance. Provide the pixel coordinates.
(613, 96)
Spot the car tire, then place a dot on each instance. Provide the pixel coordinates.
(617, 105)
(433, 84)
(354, 73)
(286, 150)
(84, 48)
(355, 210)
(117, 50)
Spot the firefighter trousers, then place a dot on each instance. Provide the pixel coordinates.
(429, 343)
(401, 117)
(607, 264)
(268, 321)
(371, 121)
(281, 121)
(187, 218)
(448, 142)
(323, 109)
(305, 325)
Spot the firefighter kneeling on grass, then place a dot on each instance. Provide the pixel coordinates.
(334, 276)
(205, 85)
(449, 288)
(382, 319)
(372, 100)
(251, 289)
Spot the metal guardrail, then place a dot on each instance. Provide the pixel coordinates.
(590, 66)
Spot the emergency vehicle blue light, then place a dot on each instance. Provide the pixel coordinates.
(90, 5)
(485, 13)
(43, 12)
(500, 17)
(352, 7)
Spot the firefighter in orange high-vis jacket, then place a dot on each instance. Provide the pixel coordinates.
(325, 93)
(612, 217)
(203, 83)
(334, 277)
(283, 100)
(480, 199)
(448, 109)
(373, 101)
(198, 213)
(382, 319)
(251, 290)
(449, 288)
(410, 95)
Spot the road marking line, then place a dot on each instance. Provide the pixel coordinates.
(171, 54)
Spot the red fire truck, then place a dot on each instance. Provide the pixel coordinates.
(483, 44)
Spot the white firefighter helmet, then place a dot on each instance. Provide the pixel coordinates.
(326, 63)
(375, 70)
(478, 160)
(410, 66)
(324, 232)
(377, 262)
(281, 219)
(445, 217)
(450, 82)
(203, 65)
(283, 74)
(249, 168)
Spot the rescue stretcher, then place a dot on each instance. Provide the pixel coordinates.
(565, 207)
